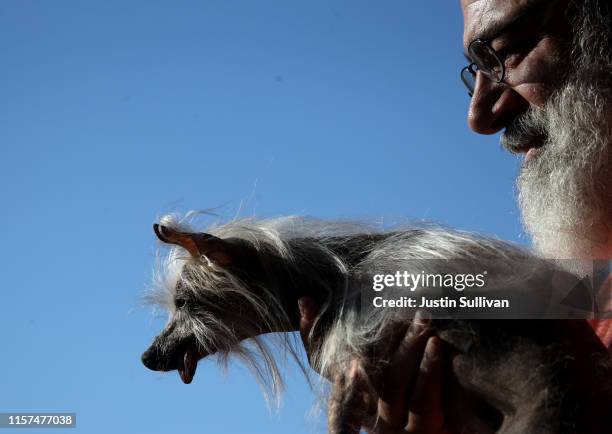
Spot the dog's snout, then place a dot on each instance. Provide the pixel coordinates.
(150, 359)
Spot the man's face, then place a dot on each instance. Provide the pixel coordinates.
(554, 104)
(531, 38)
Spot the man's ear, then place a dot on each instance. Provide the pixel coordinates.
(217, 250)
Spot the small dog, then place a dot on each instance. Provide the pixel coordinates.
(243, 279)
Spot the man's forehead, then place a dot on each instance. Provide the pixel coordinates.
(484, 18)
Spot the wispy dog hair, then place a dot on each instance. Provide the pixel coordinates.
(305, 244)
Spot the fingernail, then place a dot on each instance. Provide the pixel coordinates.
(421, 321)
(432, 350)
(354, 370)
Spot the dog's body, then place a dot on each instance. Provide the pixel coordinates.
(244, 281)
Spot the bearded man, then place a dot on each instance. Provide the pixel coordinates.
(540, 71)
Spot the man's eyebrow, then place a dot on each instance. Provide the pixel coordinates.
(498, 28)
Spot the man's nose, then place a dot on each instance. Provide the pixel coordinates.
(493, 106)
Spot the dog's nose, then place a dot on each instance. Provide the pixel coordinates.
(150, 360)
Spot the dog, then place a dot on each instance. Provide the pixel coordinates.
(241, 281)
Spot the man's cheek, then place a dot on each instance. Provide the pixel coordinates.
(536, 94)
(542, 71)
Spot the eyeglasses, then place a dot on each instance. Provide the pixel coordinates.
(486, 60)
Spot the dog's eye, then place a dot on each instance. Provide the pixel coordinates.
(180, 302)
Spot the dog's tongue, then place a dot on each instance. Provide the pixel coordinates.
(187, 371)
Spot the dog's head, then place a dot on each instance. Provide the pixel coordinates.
(219, 297)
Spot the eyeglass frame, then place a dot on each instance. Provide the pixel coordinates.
(470, 68)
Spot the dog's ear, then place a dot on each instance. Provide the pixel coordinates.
(219, 251)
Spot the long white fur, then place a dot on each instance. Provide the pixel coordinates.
(350, 336)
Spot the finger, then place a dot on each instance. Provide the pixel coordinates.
(399, 377)
(426, 414)
(346, 402)
(389, 342)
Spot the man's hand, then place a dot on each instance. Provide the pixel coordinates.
(409, 390)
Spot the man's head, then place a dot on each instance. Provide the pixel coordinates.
(555, 105)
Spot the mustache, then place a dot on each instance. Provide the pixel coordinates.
(526, 131)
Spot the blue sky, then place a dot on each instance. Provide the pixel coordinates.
(114, 113)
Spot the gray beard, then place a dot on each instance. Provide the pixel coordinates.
(564, 192)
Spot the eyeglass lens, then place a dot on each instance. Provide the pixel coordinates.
(469, 79)
(486, 59)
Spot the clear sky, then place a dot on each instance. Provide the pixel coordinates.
(116, 112)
